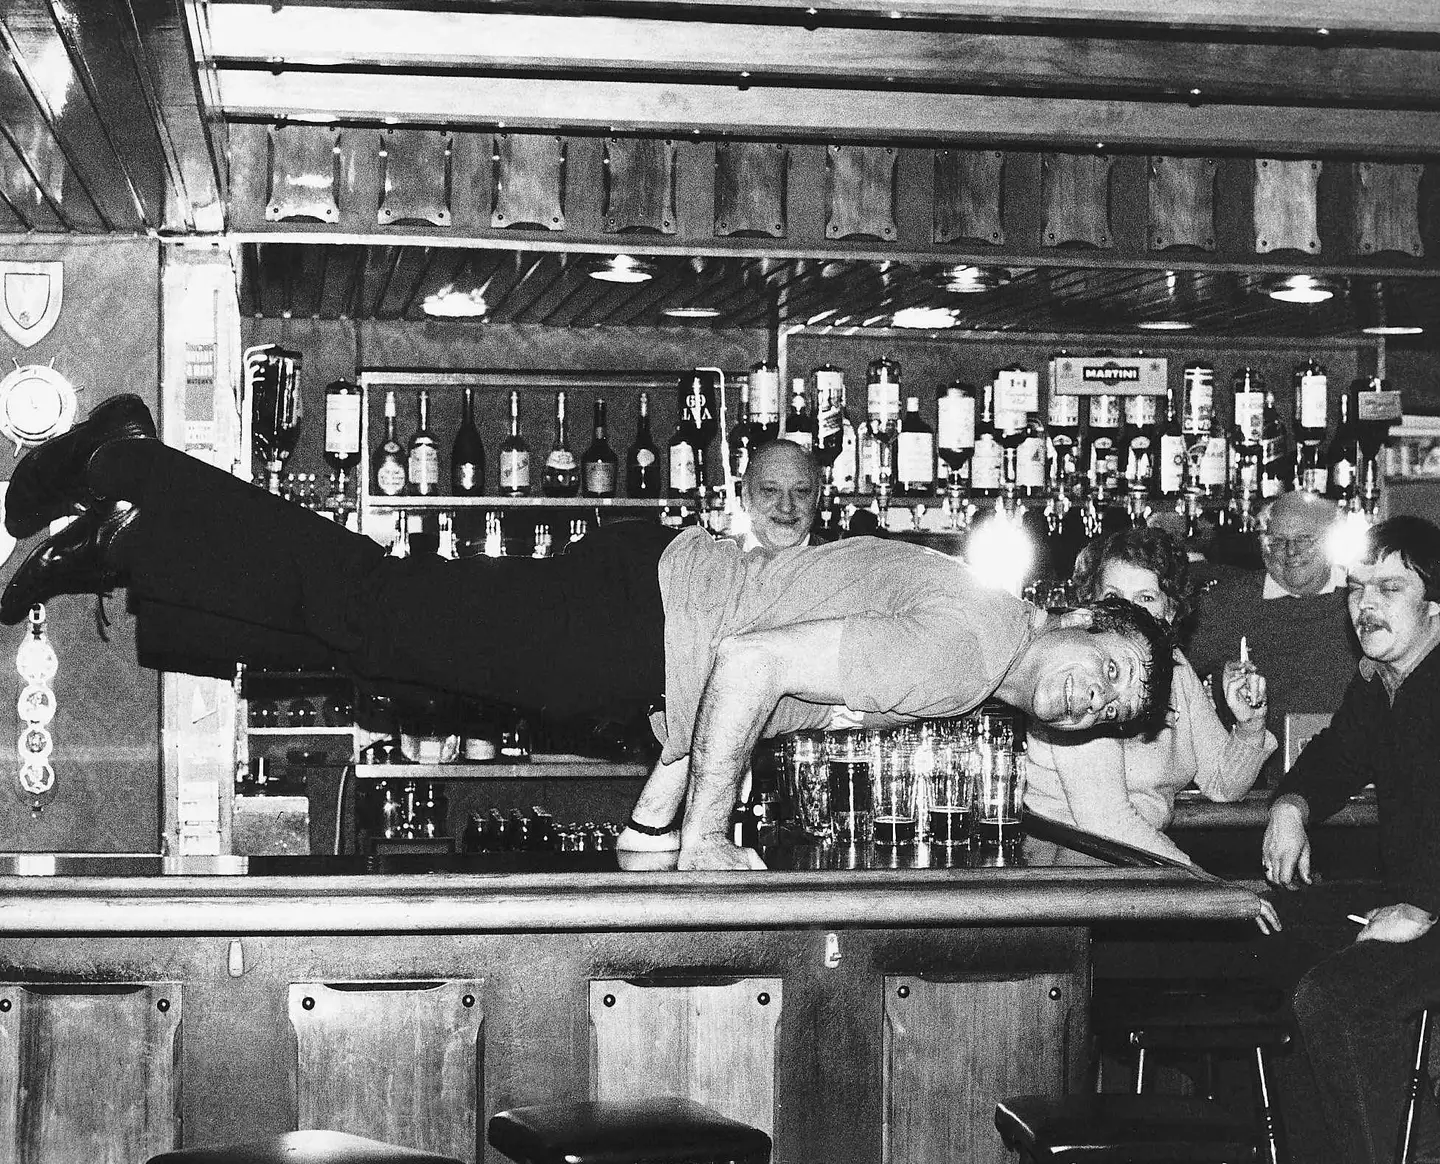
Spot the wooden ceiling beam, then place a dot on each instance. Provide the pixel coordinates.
(1301, 16)
(322, 36)
(831, 115)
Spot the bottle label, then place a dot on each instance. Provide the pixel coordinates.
(1313, 479)
(765, 395)
(884, 403)
(1214, 463)
(1138, 466)
(847, 463)
(466, 477)
(1250, 416)
(799, 437)
(915, 460)
(390, 478)
(1105, 412)
(1342, 475)
(561, 460)
(1172, 464)
(829, 406)
(342, 424)
(644, 457)
(514, 469)
(1064, 411)
(1142, 411)
(424, 467)
(956, 420)
(1017, 391)
(600, 478)
(1313, 395)
(682, 468)
(1030, 463)
(1383, 405)
(987, 467)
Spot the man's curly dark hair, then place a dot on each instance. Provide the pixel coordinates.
(1125, 618)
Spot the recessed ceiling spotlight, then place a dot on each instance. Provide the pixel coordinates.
(623, 269)
(448, 303)
(1302, 289)
(965, 280)
(1393, 329)
(1165, 325)
(691, 312)
(925, 317)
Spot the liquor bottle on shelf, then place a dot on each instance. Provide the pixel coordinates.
(684, 476)
(467, 453)
(1103, 463)
(955, 409)
(342, 437)
(1017, 394)
(882, 422)
(846, 468)
(1374, 408)
(1277, 464)
(423, 453)
(1246, 435)
(915, 453)
(389, 456)
(765, 401)
(599, 466)
(1342, 456)
(1312, 391)
(742, 437)
(514, 456)
(1171, 455)
(1064, 426)
(987, 463)
(829, 416)
(799, 417)
(1210, 461)
(561, 475)
(1032, 458)
(1198, 402)
(1139, 438)
(642, 461)
(699, 412)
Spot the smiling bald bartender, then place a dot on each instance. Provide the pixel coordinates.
(218, 571)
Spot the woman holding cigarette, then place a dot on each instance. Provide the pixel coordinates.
(1123, 786)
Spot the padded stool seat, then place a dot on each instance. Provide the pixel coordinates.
(1123, 1129)
(307, 1147)
(667, 1130)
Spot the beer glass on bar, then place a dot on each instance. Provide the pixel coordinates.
(848, 757)
(806, 779)
(952, 784)
(895, 784)
(999, 793)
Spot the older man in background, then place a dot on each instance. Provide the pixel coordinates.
(1292, 614)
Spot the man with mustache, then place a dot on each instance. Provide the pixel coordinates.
(1356, 1008)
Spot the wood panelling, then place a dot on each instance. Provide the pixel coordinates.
(1285, 205)
(969, 185)
(1075, 189)
(529, 186)
(639, 185)
(710, 1042)
(395, 1061)
(1182, 203)
(304, 173)
(750, 186)
(415, 177)
(88, 1072)
(1387, 208)
(860, 192)
(953, 1048)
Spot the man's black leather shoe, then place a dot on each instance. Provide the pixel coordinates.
(80, 559)
(49, 481)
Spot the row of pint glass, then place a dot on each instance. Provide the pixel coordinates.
(942, 781)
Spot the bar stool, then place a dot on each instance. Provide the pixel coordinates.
(1244, 1019)
(305, 1147)
(1097, 1128)
(665, 1130)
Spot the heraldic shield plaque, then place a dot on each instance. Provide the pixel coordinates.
(30, 300)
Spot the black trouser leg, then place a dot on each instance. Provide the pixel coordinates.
(222, 571)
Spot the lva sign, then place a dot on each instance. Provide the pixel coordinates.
(30, 296)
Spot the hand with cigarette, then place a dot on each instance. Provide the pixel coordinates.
(1245, 692)
(1401, 922)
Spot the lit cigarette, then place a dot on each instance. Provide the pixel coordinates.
(1244, 651)
(1358, 920)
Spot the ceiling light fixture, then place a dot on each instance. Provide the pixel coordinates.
(1392, 329)
(925, 317)
(623, 269)
(1165, 325)
(1302, 289)
(448, 303)
(691, 312)
(963, 280)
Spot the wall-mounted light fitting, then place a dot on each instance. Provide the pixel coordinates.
(623, 269)
(1302, 289)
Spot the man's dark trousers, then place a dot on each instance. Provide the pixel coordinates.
(222, 572)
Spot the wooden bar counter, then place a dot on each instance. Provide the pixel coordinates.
(860, 1006)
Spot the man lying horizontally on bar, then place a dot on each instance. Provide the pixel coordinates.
(740, 645)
